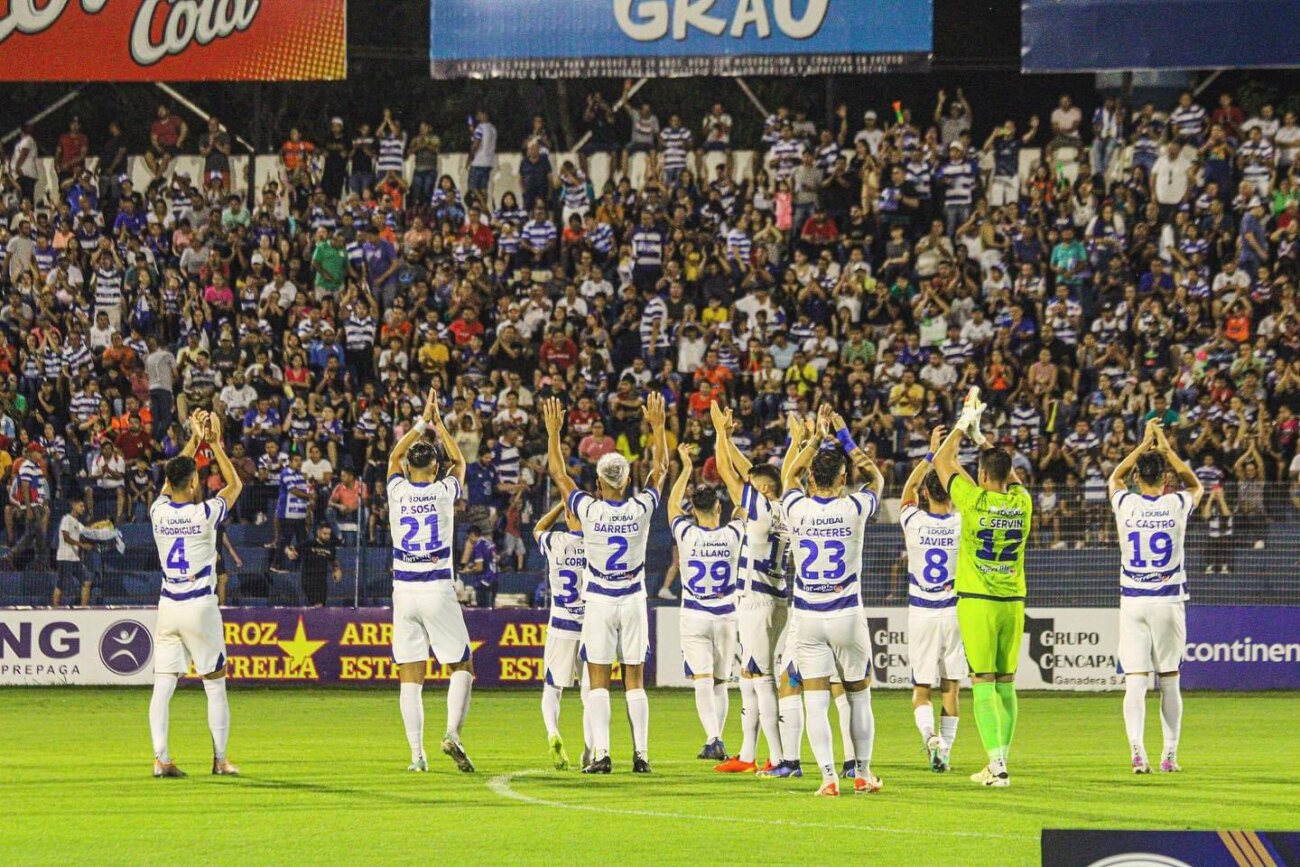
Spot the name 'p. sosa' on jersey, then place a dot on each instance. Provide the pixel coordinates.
(421, 519)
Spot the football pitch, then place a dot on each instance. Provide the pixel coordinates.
(324, 782)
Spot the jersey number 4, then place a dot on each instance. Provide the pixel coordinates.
(176, 557)
(1012, 540)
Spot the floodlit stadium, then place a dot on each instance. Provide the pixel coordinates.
(665, 432)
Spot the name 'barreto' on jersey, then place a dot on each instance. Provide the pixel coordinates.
(615, 535)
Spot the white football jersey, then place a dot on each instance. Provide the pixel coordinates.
(709, 561)
(1151, 535)
(764, 563)
(186, 536)
(615, 534)
(421, 518)
(931, 559)
(565, 559)
(826, 535)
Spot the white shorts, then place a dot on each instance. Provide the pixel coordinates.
(428, 618)
(935, 648)
(189, 631)
(1152, 636)
(826, 646)
(708, 645)
(615, 631)
(762, 626)
(560, 658)
(1003, 190)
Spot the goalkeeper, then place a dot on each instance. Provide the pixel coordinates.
(990, 581)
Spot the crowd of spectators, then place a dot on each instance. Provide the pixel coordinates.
(1145, 266)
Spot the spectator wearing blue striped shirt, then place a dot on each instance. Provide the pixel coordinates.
(675, 149)
(538, 239)
(1188, 121)
(648, 242)
(959, 178)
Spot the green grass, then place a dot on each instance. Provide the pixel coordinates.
(324, 782)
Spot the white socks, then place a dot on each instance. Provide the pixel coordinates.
(1171, 713)
(863, 723)
(791, 725)
(948, 730)
(218, 715)
(846, 730)
(458, 702)
(584, 691)
(924, 716)
(722, 703)
(769, 717)
(411, 701)
(704, 707)
(638, 713)
(597, 711)
(1135, 710)
(159, 706)
(819, 731)
(749, 718)
(551, 709)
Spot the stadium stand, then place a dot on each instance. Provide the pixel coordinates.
(1086, 273)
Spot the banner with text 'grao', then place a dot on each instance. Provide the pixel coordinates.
(620, 38)
(173, 40)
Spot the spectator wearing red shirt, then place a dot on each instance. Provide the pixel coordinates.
(701, 400)
(295, 151)
(820, 230)
(467, 327)
(166, 136)
(135, 441)
(558, 349)
(596, 444)
(71, 156)
(582, 416)
(1228, 116)
(480, 234)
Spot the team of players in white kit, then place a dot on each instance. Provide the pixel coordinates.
(795, 545)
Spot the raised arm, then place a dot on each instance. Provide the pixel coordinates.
(553, 414)
(449, 444)
(198, 424)
(945, 459)
(1119, 478)
(1195, 488)
(547, 521)
(678, 492)
(807, 450)
(726, 469)
(410, 438)
(923, 466)
(655, 414)
(234, 485)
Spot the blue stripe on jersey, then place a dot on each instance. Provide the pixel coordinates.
(188, 594)
(435, 575)
(834, 605)
(1167, 590)
(692, 605)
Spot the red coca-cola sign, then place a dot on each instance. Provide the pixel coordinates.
(172, 40)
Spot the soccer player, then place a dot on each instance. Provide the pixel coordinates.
(827, 528)
(995, 519)
(709, 552)
(189, 627)
(1153, 586)
(426, 612)
(615, 625)
(933, 639)
(565, 560)
(763, 609)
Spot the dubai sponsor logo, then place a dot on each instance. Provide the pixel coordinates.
(126, 647)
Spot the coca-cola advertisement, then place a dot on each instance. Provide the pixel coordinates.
(173, 40)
